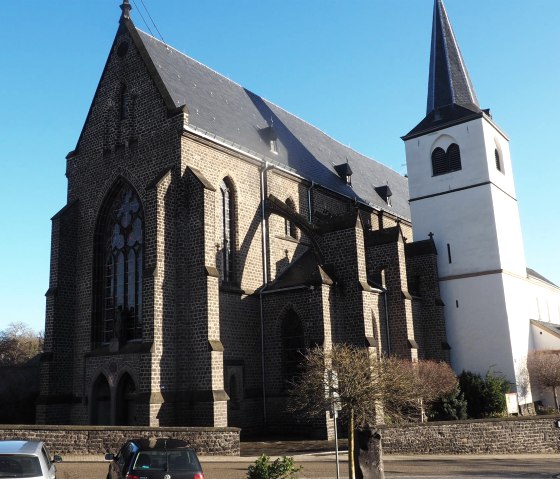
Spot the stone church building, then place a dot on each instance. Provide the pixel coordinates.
(209, 236)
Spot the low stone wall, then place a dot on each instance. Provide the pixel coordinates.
(98, 440)
(516, 435)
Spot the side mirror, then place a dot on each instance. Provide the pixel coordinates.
(109, 457)
(57, 458)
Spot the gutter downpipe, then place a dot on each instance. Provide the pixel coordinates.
(309, 211)
(264, 232)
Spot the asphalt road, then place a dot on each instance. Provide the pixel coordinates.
(324, 467)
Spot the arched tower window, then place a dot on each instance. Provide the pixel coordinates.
(454, 157)
(439, 162)
(446, 161)
(289, 226)
(293, 345)
(119, 262)
(227, 239)
(498, 160)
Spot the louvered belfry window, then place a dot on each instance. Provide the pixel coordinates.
(439, 162)
(446, 161)
(121, 251)
(498, 161)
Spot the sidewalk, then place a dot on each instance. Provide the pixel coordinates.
(317, 450)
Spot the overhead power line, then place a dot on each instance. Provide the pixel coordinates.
(150, 17)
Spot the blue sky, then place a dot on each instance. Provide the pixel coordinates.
(356, 69)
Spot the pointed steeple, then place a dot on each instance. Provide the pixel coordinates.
(126, 8)
(450, 83)
(451, 95)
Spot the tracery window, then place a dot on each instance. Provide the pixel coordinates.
(120, 252)
(227, 228)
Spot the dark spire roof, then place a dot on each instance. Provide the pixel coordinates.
(450, 83)
(451, 95)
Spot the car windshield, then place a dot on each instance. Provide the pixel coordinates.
(19, 465)
(166, 461)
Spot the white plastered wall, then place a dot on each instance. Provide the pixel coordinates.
(474, 211)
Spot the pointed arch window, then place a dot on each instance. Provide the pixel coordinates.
(289, 226)
(293, 345)
(446, 161)
(122, 101)
(227, 231)
(119, 265)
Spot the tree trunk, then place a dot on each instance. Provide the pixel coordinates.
(351, 464)
(368, 454)
(555, 398)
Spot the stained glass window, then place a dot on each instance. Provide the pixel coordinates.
(122, 249)
(226, 210)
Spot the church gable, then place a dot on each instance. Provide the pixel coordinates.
(129, 98)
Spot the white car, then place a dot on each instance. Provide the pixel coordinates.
(28, 459)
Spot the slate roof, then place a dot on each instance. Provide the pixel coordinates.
(220, 107)
(552, 328)
(451, 94)
(534, 274)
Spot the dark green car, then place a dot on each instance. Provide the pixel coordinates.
(155, 458)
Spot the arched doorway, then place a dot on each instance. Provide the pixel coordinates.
(126, 401)
(101, 402)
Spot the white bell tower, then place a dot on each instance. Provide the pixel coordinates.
(462, 191)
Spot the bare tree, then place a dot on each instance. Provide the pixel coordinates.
(18, 344)
(434, 380)
(544, 369)
(367, 389)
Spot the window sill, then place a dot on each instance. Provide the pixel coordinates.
(131, 347)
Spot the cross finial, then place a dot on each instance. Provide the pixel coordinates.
(431, 235)
(126, 8)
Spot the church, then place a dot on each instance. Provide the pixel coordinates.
(210, 236)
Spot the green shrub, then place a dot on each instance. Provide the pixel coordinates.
(452, 407)
(284, 468)
(485, 396)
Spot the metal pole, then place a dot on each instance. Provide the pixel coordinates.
(335, 415)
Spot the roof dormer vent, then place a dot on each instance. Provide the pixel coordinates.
(270, 136)
(345, 172)
(385, 193)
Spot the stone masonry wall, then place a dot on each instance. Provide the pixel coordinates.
(527, 435)
(99, 440)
